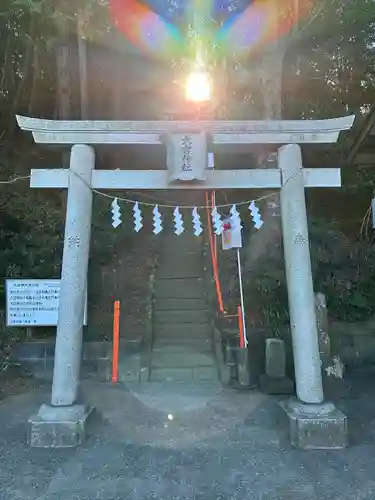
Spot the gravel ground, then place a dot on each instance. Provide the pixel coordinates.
(143, 445)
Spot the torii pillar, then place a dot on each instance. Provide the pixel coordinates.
(314, 423)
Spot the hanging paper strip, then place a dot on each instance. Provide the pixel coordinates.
(178, 222)
(116, 213)
(235, 218)
(217, 222)
(137, 218)
(179, 228)
(157, 222)
(197, 224)
(257, 218)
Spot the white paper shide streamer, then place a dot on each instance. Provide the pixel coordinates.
(197, 224)
(235, 219)
(178, 222)
(217, 222)
(157, 222)
(116, 213)
(179, 228)
(257, 218)
(137, 218)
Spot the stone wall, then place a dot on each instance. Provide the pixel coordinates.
(37, 358)
(353, 342)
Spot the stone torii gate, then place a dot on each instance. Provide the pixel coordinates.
(313, 422)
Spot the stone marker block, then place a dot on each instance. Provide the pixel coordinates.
(275, 358)
(275, 381)
(58, 427)
(316, 427)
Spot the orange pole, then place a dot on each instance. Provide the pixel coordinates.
(214, 261)
(116, 340)
(240, 327)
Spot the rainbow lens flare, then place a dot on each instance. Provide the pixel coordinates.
(261, 23)
(248, 25)
(145, 29)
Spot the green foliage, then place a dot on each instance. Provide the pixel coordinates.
(342, 269)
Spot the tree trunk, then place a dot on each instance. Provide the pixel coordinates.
(268, 240)
(269, 71)
(82, 63)
(64, 94)
(64, 83)
(82, 58)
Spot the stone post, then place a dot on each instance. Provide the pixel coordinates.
(73, 278)
(312, 423)
(299, 277)
(61, 424)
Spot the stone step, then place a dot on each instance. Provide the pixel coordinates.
(178, 317)
(187, 359)
(204, 373)
(170, 271)
(195, 346)
(179, 304)
(184, 330)
(187, 288)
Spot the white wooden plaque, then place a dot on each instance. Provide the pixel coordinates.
(187, 156)
(231, 238)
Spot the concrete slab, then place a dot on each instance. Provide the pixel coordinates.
(175, 396)
(196, 374)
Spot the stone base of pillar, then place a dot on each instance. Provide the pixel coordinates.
(316, 426)
(58, 426)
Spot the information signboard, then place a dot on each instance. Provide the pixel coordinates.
(33, 302)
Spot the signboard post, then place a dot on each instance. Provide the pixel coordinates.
(232, 238)
(33, 302)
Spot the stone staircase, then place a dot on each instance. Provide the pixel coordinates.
(182, 344)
